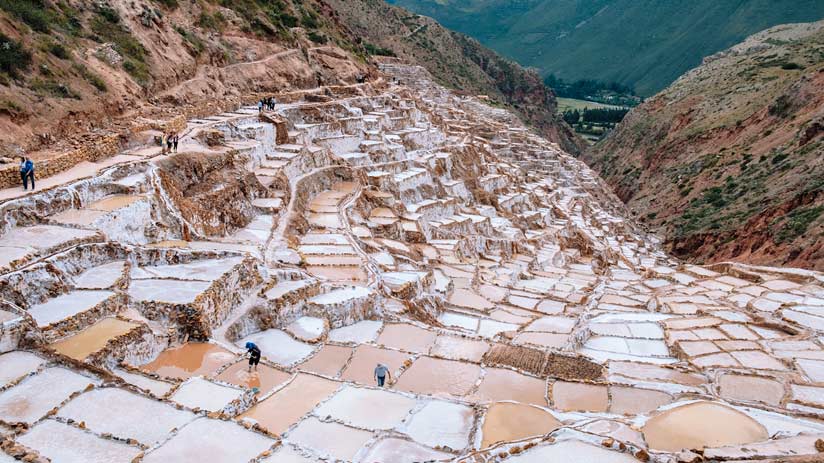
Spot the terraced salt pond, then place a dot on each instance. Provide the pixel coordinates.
(518, 314)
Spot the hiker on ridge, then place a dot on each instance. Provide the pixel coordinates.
(26, 172)
(254, 354)
(175, 140)
(381, 372)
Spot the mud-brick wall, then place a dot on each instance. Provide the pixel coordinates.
(101, 148)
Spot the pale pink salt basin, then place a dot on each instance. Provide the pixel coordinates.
(499, 384)
(361, 368)
(432, 376)
(406, 337)
(328, 361)
(285, 407)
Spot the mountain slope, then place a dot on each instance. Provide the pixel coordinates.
(74, 66)
(457, 61)
(646, 44)
(728, 162)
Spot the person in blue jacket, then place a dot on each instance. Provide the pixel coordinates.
(254, 355)
(26, 172)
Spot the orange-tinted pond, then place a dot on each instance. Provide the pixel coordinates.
(286, 406)
(190, 359)
(329, 361)
(701, 424)
(507, 421)
(93, 338)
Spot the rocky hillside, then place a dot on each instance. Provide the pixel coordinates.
(643, 44)
(458, 62)
(728, 162)
(72, 67)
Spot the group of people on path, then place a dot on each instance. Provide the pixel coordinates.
(168, 142)
(267, 103)
(381, 370)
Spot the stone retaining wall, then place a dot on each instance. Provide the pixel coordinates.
(104, 147)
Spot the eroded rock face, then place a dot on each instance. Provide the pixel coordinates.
(426, 238)
(199, 182)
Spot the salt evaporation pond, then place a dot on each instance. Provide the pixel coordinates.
(360, 332)
(361, 368)
(264, 378)
(508, 421)
(332, 439)
(572, 450)
(286, 406)
(66, 444)
(125, 415)
(190, 359)
(499, 384)
(93, 338)
(32, 398)
(328, 361)
(16, 364)
(432, 376)
(277, 346)
(701, 424)
(212, 441)
(356, 406)
(397, 450)
(444, 424)
(205, 395)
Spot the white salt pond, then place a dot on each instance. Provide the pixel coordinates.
(357, 407)
(279, 347)
(66, 306)
(66, 444)
(329, 439)
(287, 454)
(213, 441)
(32, 398)
(16, 364)
(155, 387)
(125, 415)
(309, 329)
(571, 450)
(204, 270)
(441, 423)
(170, 291)
(205, 395)
(360, 332)
(396, 450)
(100, 277)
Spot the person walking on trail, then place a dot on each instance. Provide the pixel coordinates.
(169, 143)
(26, 172)
(381, 372)
(260, 106)
(163, 143)
(254, 355)
(175, 140)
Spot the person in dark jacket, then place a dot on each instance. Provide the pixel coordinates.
(175, 141)
(26, 172)
(254, 355)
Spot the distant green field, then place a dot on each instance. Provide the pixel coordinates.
(571, 103)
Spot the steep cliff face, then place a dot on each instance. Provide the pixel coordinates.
(728, 162)
(457, 61)
(79, 65)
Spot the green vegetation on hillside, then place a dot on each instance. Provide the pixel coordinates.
(645, 45)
